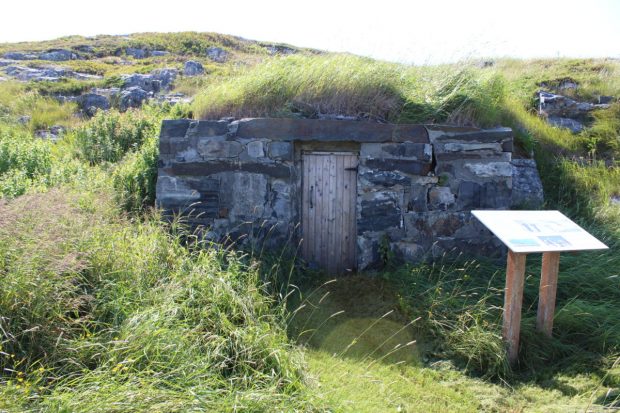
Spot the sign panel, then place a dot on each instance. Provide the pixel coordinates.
(537, 231)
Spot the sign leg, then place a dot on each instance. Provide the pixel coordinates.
(513, 299)
(548, 288)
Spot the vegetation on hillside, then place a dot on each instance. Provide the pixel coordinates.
(104, 306)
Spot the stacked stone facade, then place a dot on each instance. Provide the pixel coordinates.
(416, 185)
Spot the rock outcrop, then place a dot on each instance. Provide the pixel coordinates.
(217, 54)
(568, 113)
(48, 73)
(193, 68)
(132, 97)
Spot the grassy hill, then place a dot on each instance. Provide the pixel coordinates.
(104, 306)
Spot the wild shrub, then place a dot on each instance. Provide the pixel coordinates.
(135, 176)
(24, 161)
(108, 136)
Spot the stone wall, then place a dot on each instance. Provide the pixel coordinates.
(416, 184)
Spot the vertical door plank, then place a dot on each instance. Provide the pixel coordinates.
(513, 299)
(338, 200)
(325, 213)
(333, 199)
(304, 206)
(547, 291)
(318, 189)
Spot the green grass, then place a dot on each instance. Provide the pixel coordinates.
(124, 318)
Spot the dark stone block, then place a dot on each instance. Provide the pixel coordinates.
(446, 225)
(507, 146)
(472, 195)
(329, 130)
(454, 156)
(408, 150)
(378, 215)
(214, 167)
(402, 165)
(472, 134)
(173, 128)
(281, 151)
(164, 147)
(418, 201)
(385, 178)
(211, 128)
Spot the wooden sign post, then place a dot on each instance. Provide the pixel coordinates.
(523, 232)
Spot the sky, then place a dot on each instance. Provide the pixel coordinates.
(419, 32)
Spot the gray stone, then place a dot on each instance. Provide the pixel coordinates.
(379, 213)
(281, 151)
(574, 125)
(166, 77)
(20, 56)
(443, 134)
(473, 195)
(418, 198)
(217, 54)
(137, 53)
(441, 197)
(84, 48)
(132, 97)
(91, 102)
(527, 189)
(23, 120)
(615, 200)
(402, 165)
(145, 82)
(490, 169)
(255, 149)
(154, 82)
(58, 55)
(50, 74)
(274, 49)
(288, 129)
(557, 106)
(213, 149)
(214, 167)
(281, 203)
(172, 190)
(159, 53)
(384, 178)
(53, 134)
(193, 68)
(249, 196)
(409, 251)
(367, 251)
(605, 100)
(405, 150)
(467, 147)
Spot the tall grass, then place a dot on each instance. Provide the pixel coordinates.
(126, 318)
(44, 112)
(353, 86)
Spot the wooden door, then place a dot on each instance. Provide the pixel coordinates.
(328, 210)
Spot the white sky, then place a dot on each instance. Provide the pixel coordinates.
(429, 31)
